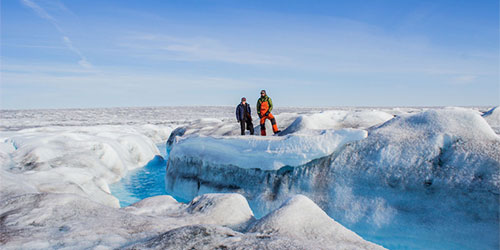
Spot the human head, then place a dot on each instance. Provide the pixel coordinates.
(243, 100)
(263, 93)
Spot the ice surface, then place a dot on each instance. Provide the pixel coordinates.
(298, 224)
(436, 170)
(427, 179)
(338, 119)
(81, 160)
(55, 176)
(13, 120)
(492, 116)
(41, 221)
(308, 137)
(266, 153)
(230, 210)
(300, 218)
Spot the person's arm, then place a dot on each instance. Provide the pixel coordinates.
(258, 109)
(270, 104)
(238, 112)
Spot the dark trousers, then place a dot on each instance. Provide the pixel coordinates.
(249, 126)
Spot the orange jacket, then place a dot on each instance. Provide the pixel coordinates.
(264, 104)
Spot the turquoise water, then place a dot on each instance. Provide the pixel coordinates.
(144, 182)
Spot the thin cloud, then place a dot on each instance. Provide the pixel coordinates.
(35, 46)
(42, 13)
(198, 49)
(464, 79)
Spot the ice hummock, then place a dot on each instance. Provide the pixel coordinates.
(48, 220)
(297, 224)
(81, 160)
(338, 119)
(300, 218)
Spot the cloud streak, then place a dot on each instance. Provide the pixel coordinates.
(83, 60)
(42, 13)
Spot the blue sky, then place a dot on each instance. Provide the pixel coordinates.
(83, 53)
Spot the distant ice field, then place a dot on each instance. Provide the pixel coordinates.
(11, 120)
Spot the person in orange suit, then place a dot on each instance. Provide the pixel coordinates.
(264, 108)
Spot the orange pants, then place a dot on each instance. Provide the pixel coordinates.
(263, 124)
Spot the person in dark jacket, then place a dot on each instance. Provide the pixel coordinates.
(244, 116)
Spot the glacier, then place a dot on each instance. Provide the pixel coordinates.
(436, 170)
(334, 178)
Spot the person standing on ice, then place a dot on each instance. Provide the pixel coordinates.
(264, 108)
(244, 116)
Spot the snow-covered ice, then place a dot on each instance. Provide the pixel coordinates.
(264, 153)
(424, 178)
(68, 221)
(81, 160)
